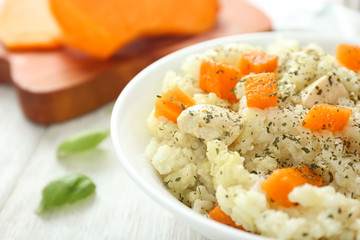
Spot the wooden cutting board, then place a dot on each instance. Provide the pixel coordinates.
(54, 86)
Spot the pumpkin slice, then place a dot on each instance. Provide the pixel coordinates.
(218, 215)
(219, 78)
(28, 24)
(257, 62)
(327, 117)
(172, 103)
(261, 90)
(100, 28)
(282, 181)
(348, 56)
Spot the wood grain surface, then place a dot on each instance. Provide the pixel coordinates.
(54, 86)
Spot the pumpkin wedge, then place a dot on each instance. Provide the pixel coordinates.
(100, 28)
(28, 24)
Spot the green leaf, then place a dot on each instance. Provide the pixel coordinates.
(68, 189)
(82, 142)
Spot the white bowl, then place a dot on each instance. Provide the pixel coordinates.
(130, 134)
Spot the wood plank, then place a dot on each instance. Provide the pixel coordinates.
(17, 142)
(5, 76)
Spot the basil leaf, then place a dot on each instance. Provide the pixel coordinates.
(82, 142)
(67, 189)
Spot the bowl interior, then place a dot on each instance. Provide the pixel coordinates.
(130, 134)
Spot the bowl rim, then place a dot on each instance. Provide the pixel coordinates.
(180, 209)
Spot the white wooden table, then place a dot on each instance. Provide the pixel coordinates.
(118, 210)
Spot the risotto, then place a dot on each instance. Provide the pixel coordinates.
(220, 151)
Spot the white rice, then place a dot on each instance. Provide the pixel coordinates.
(203, 174)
